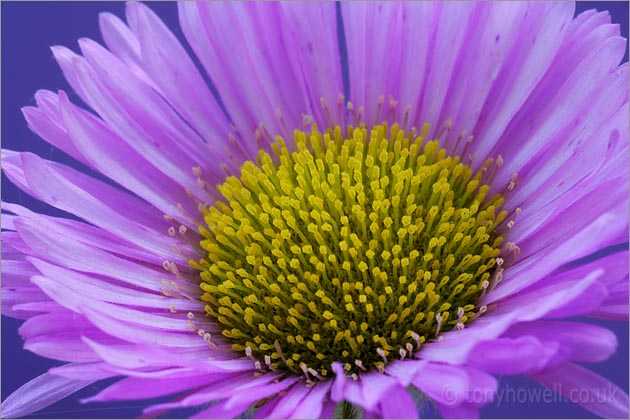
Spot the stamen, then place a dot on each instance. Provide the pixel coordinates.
(360, 365)
(484, 288)
(316, 374)
(460, 313)
(305, 370)
(379, 105)
(513, 181)
(438, 319)
(269, 364)
(405, 124)
(381, 353)
(409, 348)
(416, 338)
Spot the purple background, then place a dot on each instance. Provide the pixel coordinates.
(28, 29)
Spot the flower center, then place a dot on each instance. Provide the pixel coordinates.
(353, 248)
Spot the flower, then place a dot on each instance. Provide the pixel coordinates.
(424, 233)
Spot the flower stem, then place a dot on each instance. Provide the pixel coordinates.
(348, 411)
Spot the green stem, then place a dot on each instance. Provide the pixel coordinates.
(348, 411)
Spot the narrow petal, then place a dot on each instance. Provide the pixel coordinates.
(115, 159)
(580, 77)
(587, 389)
(301, 61)
(509, 356)
(75, 231)
(221, 410)
(398, 405)
(132, 333)
(45, 121)
(46, 245)
(312, 406)
(144, 388)
(92, 200)
(525, 65)
(574, 244)
(586, 343)
(168, 64)
(39, 393)
(287, 404)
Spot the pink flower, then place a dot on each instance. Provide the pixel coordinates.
(352, 264)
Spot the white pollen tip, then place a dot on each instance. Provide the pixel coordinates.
(381, 353)
(304, 369)
(315, 374)
(359, 364)
(248, 351)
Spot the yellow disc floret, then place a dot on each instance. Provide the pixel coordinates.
(352, 248)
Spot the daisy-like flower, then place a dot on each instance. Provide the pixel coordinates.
(297, 243)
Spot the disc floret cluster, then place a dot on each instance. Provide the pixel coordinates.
(355, 247)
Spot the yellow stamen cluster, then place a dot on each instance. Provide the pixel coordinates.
(352, 248)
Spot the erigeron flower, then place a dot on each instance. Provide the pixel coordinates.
(298, 242)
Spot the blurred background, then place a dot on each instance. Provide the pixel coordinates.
(28, 30)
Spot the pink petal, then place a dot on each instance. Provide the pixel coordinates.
(586, 343)
(168, 64)
(587, 389)
(313, 404)
(398, 405)
(509, 356)
(39, 393)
